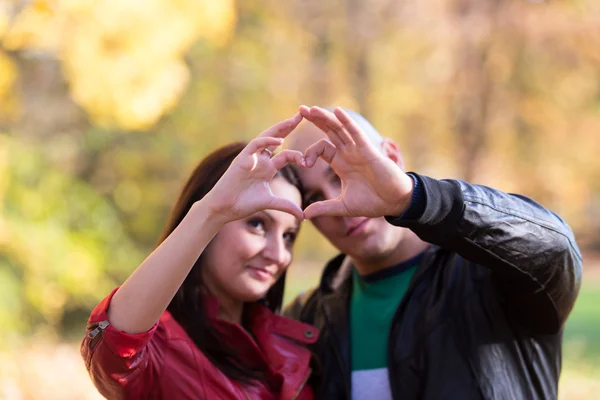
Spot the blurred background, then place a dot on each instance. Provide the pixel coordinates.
(105, 107)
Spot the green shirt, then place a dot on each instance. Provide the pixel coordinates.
(375, 299)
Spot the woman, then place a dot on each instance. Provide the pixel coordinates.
(187, 323)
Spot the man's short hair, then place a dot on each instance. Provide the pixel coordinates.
(365, 125)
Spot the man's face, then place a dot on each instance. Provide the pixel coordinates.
(359, 237)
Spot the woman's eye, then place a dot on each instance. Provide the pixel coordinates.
(257, 224)
(290, 237)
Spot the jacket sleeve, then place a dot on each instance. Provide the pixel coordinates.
(121, 365)
(531, 251)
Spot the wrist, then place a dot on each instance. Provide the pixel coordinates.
(418, 203)
(408, 185)
(211, 214)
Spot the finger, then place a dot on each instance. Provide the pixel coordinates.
(267, 152)
(320, 123)
(286, 156)
(351, 126)
(283, 128)
(273, 148)
(304, 111)
(323, 148)
(288, 206)
(333, 124)
(260, 143)
(328, 207)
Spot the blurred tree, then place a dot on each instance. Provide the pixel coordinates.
(106, 106)
(62, 244)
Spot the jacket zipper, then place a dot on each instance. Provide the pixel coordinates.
(96, 332)
(421, 269)
(303, 384)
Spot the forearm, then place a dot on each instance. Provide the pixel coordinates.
(512, 229)
(145, 295)
(514, 236)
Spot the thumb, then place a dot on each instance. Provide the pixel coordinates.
(285, 205)
(328, 207)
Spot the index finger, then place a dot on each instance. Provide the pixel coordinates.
(351, 126)
(305, 111)
(283, 128)
(335, 128)
(260, 143)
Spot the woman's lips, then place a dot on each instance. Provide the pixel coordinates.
(261, 274)
(358, 227)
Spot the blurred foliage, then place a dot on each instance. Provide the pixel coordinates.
(62, 245)
(105, 106)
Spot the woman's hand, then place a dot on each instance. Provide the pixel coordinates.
(244, 188)
(241, 191)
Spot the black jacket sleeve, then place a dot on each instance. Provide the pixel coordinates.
(530, 250)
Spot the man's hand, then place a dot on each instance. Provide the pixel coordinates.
(372, 184)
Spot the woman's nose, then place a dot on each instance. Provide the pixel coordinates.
(277, 252)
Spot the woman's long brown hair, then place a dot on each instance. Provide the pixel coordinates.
(187, 306)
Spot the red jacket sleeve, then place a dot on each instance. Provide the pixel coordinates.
(121, 365)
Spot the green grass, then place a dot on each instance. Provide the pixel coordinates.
(582, 333)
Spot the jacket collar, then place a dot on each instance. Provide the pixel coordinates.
(261, 318)
(336, 272)
(336, 286)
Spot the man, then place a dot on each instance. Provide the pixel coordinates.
(443, 290)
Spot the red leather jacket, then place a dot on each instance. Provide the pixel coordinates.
(164, 363)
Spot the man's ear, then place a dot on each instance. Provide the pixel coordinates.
(392, 151)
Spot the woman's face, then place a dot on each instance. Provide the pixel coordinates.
(247, 256)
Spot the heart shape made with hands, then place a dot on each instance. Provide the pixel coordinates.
(373, 184)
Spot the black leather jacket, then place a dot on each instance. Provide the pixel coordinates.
(483, 316)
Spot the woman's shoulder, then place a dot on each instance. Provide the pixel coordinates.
(171, 330)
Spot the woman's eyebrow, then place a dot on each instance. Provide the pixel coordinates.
(268, 215)
(272, 218)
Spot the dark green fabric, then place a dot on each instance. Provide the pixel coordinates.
(372, 308)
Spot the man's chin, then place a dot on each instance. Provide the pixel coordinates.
(364, 248)
(371, 247)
